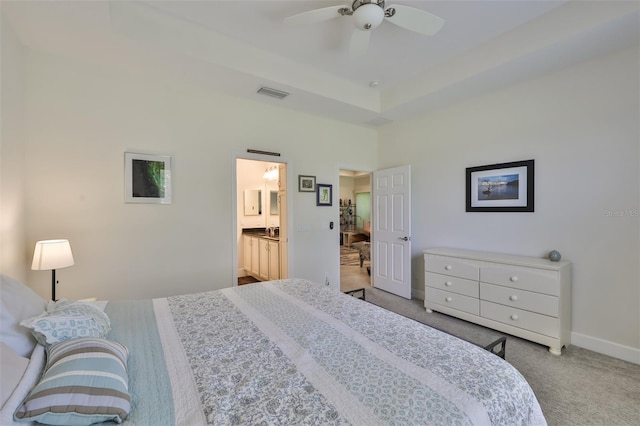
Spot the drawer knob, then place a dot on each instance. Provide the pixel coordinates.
(514, 317)
(513, 279)
(448, 283)
(513, 298)
(448, 299)
(448, 267)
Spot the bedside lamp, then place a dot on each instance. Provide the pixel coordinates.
(52, 254)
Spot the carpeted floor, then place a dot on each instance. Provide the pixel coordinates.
(580, 387)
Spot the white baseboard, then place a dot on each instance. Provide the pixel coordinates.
(625, 353)
(417, 294)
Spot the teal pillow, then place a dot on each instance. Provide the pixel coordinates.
(85, 381)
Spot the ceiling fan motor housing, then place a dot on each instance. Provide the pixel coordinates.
(367, 14)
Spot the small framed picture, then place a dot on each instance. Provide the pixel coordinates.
(306, 183)
(323, 195)
(504, 187)
(147, 178)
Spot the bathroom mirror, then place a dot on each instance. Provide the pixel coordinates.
(274, 208)
(252, 202)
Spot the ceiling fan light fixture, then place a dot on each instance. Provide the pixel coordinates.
(368, 16)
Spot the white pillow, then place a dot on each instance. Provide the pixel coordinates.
(29, 380)
(18, 302)
(13, 367)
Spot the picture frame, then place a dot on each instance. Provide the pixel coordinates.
(324, 194)
(147, 178)
(306, 183)
(502, 187)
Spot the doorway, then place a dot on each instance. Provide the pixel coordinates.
(261, 220)
(355, 229)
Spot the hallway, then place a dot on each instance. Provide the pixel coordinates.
(352, 276)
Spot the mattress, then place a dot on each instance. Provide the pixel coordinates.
(295, 352)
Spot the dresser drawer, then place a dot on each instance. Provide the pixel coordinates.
(522, 299)
(537, 280)
(451, 266)
(453, 284)
(452, 300)
(538, 323)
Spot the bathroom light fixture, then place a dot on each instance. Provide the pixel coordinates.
(52, 254)
(271, 173)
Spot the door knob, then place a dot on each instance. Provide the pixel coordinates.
(404, 238)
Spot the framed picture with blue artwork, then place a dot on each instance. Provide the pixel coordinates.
(502, 187)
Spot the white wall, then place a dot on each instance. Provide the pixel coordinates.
(13, 249)
(581, 127)
(347, 185)
(81, 118)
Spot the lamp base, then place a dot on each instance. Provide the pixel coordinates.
(53, 285)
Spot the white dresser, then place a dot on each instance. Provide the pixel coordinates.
(527, 297)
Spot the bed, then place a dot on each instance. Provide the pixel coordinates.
(295, 352)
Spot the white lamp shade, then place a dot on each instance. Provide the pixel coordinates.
(52, 254)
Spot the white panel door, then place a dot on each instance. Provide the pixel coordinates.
(391, 230)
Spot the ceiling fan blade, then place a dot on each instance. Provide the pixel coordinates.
(359, 42)
(416, 20)
(313, 16)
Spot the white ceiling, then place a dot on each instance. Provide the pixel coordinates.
(237, 46)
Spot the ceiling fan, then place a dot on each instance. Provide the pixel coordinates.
(369, 14)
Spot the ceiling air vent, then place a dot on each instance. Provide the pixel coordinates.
(274, 93)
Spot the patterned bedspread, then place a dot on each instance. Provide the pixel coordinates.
(292, 352)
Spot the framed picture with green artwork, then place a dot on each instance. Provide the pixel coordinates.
(147, 178)
(323, 194)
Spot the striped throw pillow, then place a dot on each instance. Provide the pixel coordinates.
(85, 381)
